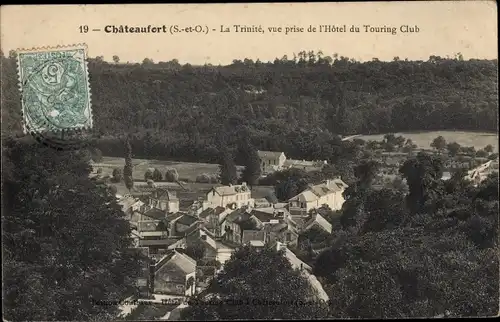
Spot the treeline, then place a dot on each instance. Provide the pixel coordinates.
(184, 112)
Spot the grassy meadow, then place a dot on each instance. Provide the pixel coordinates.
(187, 171)
(423, 139)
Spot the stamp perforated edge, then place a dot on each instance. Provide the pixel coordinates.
(83, 46)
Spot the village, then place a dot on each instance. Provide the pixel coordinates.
(188, 234)
(285, 163)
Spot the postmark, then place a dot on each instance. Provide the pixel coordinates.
(55, 90)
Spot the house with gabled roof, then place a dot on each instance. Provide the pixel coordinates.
(329, 192)
(319, 222)
(233, 225)
(270, 214)
(276, 224)
(195, 207)
(179, 244)
(305, 165)
(130, 204)
(164, 199)
(264, 217)
(170, 220)
(212, 218)
(173, 216)
(155, 214)
(149, 225)
(230, 196)
(156, 246)
(283, 232)
(271, 161)
(174, 274)
(250, 236)
(201, 236)
(184, 223)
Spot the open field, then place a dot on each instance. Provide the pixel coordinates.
(186, 170)
(423, 139)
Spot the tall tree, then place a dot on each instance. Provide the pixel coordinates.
(353, 210)
(65, 241)
(366, 172)
(251, 172)
(423, 175)
(227, 169)
(439, 143)
(256, 279)
(127, 169)
(453, 148)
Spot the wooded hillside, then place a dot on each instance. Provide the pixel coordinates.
(179, 110)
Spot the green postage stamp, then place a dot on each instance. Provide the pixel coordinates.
(55, 91)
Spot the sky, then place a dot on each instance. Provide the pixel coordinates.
(444, 29)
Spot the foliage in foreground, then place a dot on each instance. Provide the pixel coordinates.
(431, 253)
(256, 285)
(65, 241)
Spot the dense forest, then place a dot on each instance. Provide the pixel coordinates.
(298, 105)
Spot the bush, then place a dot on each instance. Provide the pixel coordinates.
(113, 190)
(482, 154)
(96, 155)
(117, 175)
(213, 178)
(148, 174)
(203, 178)
(171, 175)
(157, 175)
(207, 178)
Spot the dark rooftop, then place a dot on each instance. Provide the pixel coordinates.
(155, 213)
(157, 242)
(187, 220)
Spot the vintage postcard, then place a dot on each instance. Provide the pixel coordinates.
(250, 161)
